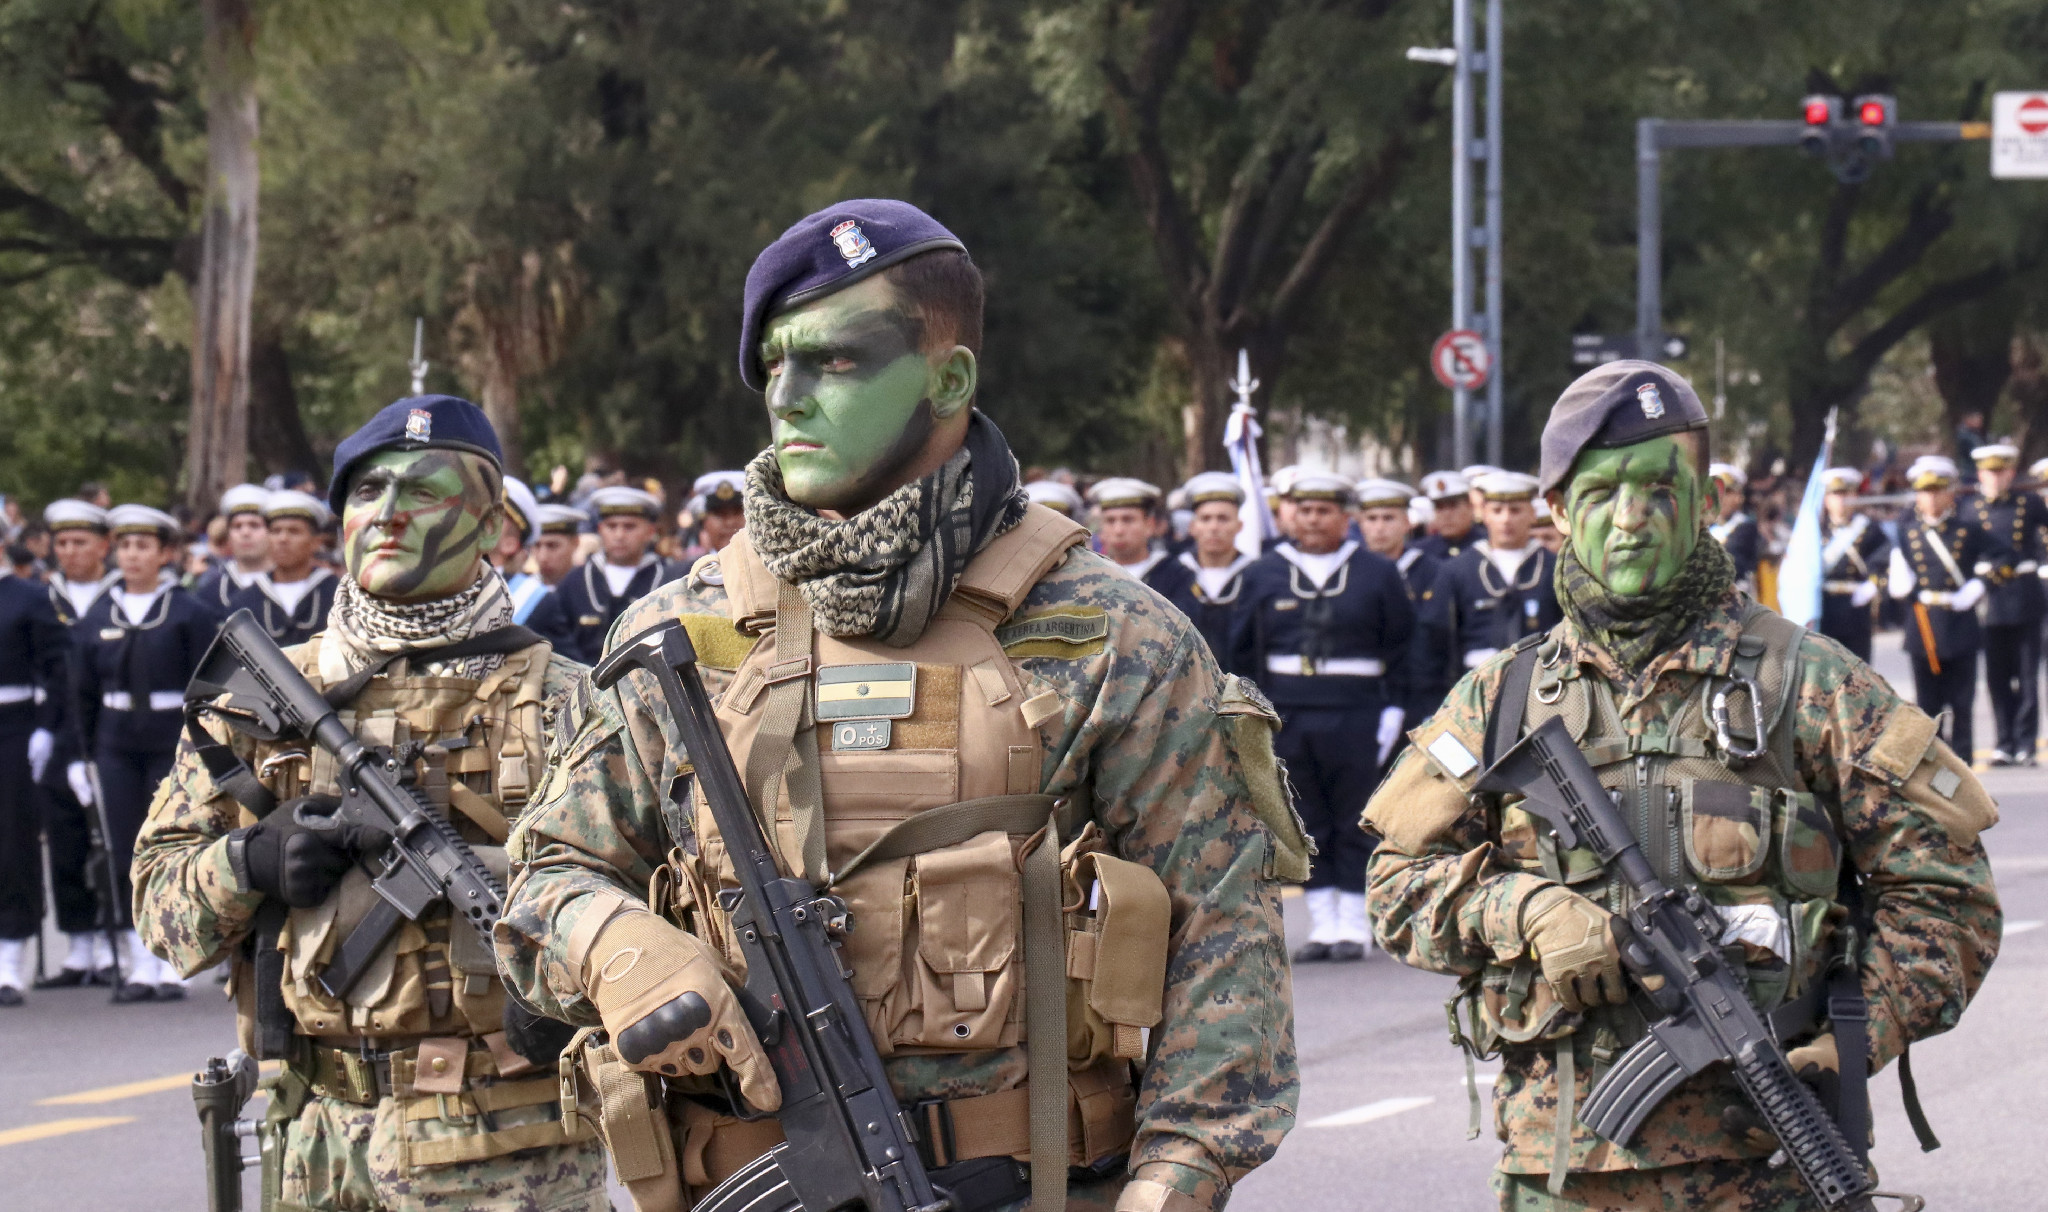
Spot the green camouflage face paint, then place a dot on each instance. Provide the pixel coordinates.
(417, 523)
(1635, 514)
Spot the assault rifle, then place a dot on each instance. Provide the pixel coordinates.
(849, 1144)
(419, 857)
(219, 1092)
(1669, 942)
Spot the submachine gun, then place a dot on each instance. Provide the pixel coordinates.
(850, 1145)
(1669, 935)
(219, 1092)
(417, 857)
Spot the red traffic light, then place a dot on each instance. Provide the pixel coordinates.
(1871, 113)
(1818, 111)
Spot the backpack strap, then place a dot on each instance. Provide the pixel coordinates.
(1511, 700)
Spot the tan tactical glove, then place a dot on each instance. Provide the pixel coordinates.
(665, 1001)
(1573, 938)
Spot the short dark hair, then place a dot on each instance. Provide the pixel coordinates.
(943, 287)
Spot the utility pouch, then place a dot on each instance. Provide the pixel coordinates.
(1251, 721)
(1118, 917)
(1518, 1006)
(633, 1118)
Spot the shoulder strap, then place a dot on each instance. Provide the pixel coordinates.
(749, 586)
(1511, 700)
(788, 740)
(998, 579)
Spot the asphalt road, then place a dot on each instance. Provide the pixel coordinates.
(96, 1115)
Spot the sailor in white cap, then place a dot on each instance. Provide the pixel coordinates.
(80, 545)
(1207, 579)
(718, 498)
(554, 549)
(1472, 493)
(576, 616)
(1737, 531)
(247, 553)
(2013, 524)
(1545, 527)
(1324, 627)
(1454, 526)
(1855, 555)
(137, 648)
(34, 683)
(1384, 508)
(1058, 497)
(1130, 522)
(1279, 502)
(515, 545)
(1502, 588)
(1933, 569)
(293, 598)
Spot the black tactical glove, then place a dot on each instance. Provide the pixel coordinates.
(280, 856)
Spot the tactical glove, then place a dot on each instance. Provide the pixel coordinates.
(280, 856)
(664, 998)
(1573, 939)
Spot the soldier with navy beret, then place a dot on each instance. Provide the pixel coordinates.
(1768, 771)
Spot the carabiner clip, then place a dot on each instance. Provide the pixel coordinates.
(1720, 717)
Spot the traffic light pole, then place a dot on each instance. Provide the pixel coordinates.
(1465, 59)
(1654, 136)
(1461, 214)
(1494, 313)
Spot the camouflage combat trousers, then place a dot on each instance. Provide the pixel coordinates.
(344, 1157)
(1709, 1186)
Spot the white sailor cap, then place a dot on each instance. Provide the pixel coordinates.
(1320, 486)
(1997, 456)
(1058, 497)
(1728, 473)
(1507, 486)
(2039, 469)
(1280, 481)
(1543, 515)
(70, 513)
(1421, 511)
(1931, 471)
(522, 510)
(1384, 494)
(1473, 472)
(244, 498)
(1125, 493)
(1445, 485)
(623, 500)
(555, 518)
(1213, 486)
(291, 503)
(141, 519)
(1841, 479)
(720, 490)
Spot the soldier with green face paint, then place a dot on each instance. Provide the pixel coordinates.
(898, 642)
(420, 1085)
(1760, 764)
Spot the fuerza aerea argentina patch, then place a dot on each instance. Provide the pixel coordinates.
(1067, 632)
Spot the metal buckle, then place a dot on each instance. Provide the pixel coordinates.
(934, 1120)
(1719, 713)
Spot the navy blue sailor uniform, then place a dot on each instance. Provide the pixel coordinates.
(219, 586)
(1424, 678)
(291, 615)
(2013, 608)
(1854, 558)
(34, 662)
(1326, 655)
(1476, 610)
(577, 616)
(1745, 544)
(130, 696)
(68, 826)
(1213, 612)
(1931, 569)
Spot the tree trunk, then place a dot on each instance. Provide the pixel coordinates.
(217, 441)
(2030, 396)
(277, 433)
(1971, 349)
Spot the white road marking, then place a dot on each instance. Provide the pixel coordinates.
(2012, 928)
(1369, 1112)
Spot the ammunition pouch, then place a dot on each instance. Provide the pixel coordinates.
(1118, 916)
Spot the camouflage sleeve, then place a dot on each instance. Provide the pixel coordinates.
(1910, 815)
(1441, 891)
(595, 827)
(1140, 724)
(189, 908)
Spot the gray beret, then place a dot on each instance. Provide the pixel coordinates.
(1619, 404)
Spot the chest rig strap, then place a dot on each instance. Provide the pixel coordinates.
(787, 745)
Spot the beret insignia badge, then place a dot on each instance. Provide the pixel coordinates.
(419, 425)
(853, 244)
(1653, 404)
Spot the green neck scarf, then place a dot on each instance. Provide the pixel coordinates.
(1635, 628)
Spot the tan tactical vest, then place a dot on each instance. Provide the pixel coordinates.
(1717, 803)
(938, 952)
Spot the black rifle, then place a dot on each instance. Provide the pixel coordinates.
(419, 857)
(219, 1092)
(849, 1144)
(1706, 1013)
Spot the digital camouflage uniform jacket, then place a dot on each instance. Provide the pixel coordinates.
(1137, 724)
(1446, 889)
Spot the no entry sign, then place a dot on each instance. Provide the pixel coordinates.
(2019, 135)
(1460, 360)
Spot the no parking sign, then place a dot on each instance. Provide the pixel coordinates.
(1460, 360)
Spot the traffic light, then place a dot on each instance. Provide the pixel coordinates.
(1876, 114)
(1821, 114)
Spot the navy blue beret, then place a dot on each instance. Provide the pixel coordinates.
(1619, 404)
(415, 423)
(829, 251)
